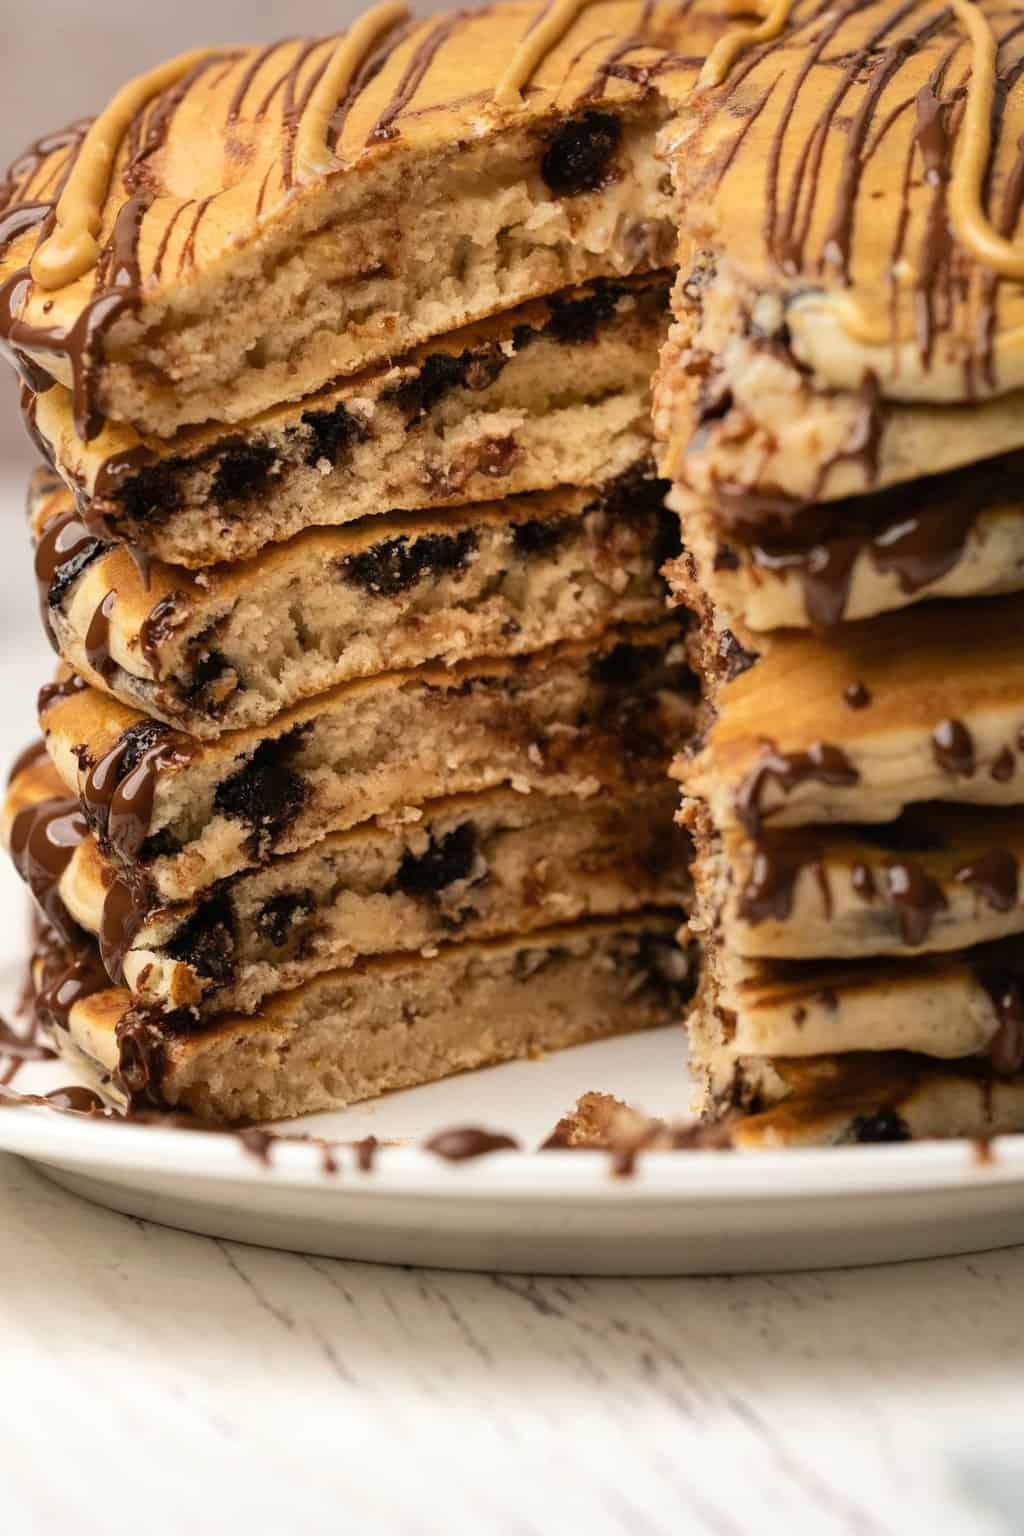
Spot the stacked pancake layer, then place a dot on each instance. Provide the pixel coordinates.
(839, 410)
(355, 766)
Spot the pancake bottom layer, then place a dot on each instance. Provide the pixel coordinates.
(383, 1024)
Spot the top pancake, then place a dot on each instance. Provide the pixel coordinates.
(432, 189)
(834, 170)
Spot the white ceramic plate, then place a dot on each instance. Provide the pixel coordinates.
(680, 1213)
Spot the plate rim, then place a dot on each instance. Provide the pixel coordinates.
(783, 1174)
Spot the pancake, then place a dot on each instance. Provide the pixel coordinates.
(960, 535)
(938, 878)
(926, 704)
(251, 639)
(746, 426)
(470, 868)
(554, 393)
(382, 1024)
(314, 207)
(849, 196)
(964, 1004)
(562, 722)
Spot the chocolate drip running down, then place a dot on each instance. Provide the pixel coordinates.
(777, 861)
(116, 275)
(862, 881)
(64, 975)
(65, 548)
(821, 763)
(97, 639)
(43, 838)
(949, 128)
(119, 789)
(125, 908)
(1006, 1048)
(918, 548)
(917, 897)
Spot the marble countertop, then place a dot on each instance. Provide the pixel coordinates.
(160, 1381)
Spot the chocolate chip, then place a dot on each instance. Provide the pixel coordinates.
(161, 845)
(397, 564)
(278, 916)
(206, 671)
(664, 966)
(497, 456)
(443, 863)
(266, 793)
(243, 470)
(886, 1125)
(578, 320)
(152, 494)
(206, 941)
(626, 666)
(332, 433)
(542, 536)
(579, 157)
(442, 372)
(636, 490)
(667, 541)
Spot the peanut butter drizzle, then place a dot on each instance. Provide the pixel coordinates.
(313, 158)
(73, 249)
(545, 33)
(973, 228)
(739, 40)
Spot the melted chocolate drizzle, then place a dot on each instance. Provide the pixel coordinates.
(822, 762)
(460, 1143)
(119, 789)
(777, 860)
(97, 639)
(1006, 1048)
(917, 897)
(116, 275)
(66, 546)
(43, 839)
(916, 546)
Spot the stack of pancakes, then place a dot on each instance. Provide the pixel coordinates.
(842, 414)
(355, 767)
